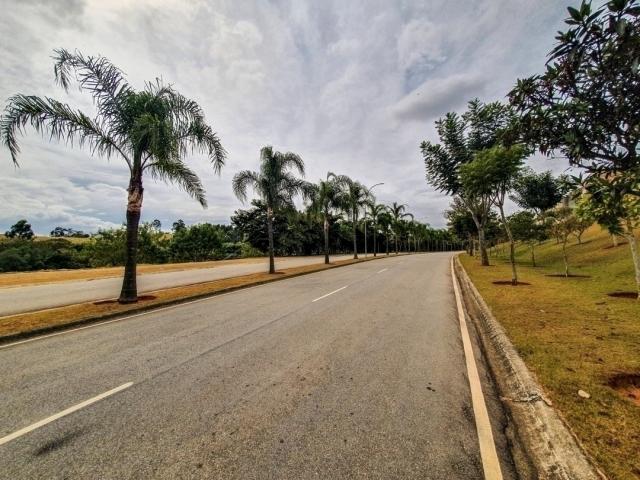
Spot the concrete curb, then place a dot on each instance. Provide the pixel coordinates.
(546, 449)
(6, 339)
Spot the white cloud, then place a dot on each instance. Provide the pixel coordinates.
(351, 86)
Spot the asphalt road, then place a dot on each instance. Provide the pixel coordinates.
(356, 372)
(37, 297)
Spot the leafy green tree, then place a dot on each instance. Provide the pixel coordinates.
(492, 174)
(461, 137)
(461, 224)
(355, 197)
(21, 229)
(609, 202)
(536, 191)
(151, 130)
(526, 228)
(275, 184)
(178, 226)
(197, 243)
(561, 222)
(327, 198)
(587, 103)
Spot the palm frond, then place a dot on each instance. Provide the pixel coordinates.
(174, 171)
(291, 160)
(198, 136)
(59, 120)
(98, 75)
(242, 180)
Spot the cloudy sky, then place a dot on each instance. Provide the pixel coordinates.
(353, 86)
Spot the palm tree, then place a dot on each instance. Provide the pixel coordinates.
(326, 198)
(375, 210)
(356, 197)
(385, 221)
(398, 213)
(275, 184)
(152, 130)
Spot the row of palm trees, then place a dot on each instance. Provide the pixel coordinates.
(277, 185)
(153, 130)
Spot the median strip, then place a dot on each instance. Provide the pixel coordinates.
(64, 413)
(18, 326)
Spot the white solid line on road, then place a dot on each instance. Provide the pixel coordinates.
(488, 455)
(383, 270)
(63, 413)
(330, 293)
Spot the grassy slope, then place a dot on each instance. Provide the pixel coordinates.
(574, 336)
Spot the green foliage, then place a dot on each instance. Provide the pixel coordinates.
(60, 232)
(526, 228)
(536, 191)
(21, 229)
(587, 103)
(23, 255)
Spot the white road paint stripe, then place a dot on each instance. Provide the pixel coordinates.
(490, 462)
(63, 413)
(330, 293)
(383, 270)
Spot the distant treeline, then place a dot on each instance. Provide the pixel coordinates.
(296, 233)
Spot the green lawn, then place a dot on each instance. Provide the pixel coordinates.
(574, 336)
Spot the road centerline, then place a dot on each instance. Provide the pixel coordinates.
(488, 454)
(383, 270)
(63, 413)
(330, 293)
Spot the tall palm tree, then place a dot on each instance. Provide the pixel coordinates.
(327, 197)
(385, 221)
(356, 196)
(152, 130)
(398, 213)
(375, 210)
(275, 184)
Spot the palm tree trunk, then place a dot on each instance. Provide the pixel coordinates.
(129, 291)
(395, 238)
(355, 238)
(386, 237)
(375, 234)
(272, 265)
(326, 239)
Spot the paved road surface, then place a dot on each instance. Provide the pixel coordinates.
(356, 372)
(37, 297)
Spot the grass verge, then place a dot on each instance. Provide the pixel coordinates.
(27, 324)
(574, 336)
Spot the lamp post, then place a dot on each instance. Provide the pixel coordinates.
(365, 216)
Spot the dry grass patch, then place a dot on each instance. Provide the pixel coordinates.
(68, 315)
(574, 336)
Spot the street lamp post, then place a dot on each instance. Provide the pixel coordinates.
(365, 216)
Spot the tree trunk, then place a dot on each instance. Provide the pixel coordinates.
(635, 254)
(614, 239)
(272, 265)
(533, 255)
(471, 243)
(326, 239)
(375, 234)
(386, 237)
(512, 246)
(129, 292)
(355, 238)
(395, 238)
(564, 257)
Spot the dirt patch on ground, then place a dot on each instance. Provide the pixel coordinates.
(630, 295)
(141, 298)
(627, 385)
(508, 282)
(571, 275)
(609, 247)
